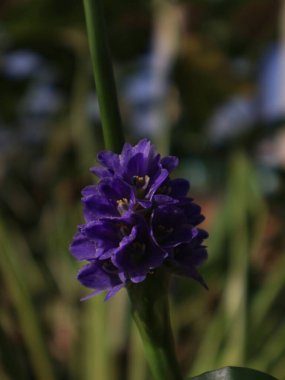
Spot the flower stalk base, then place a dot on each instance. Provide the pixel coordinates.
(150, 311)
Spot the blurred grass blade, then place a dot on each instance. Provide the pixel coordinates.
(59, 223)
(272, 352)
(235, 296)
(15, 278)
(210, 346)
(218, 233)
(228, 325)
(137, 368)
(82, 133)
(95, 361)
(264, 299)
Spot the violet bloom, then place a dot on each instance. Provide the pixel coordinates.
(137, 219)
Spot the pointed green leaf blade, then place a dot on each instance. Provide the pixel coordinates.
(234, 373)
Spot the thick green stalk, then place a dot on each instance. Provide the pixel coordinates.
(150, 310)
(104, 76)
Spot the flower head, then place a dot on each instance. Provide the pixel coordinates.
(137, 219)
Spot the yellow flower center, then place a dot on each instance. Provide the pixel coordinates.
(140, 182)
(122, 205)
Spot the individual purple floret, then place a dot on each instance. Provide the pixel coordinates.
(137, 219)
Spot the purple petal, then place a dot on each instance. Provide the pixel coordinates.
(162, 199)
(136, 278)
(145, 203)
(95, 207)
(192, 255)
(109, 159)
(135, 166)
(126, 153)
(136, 259)
(179, 187)
(188, 257)
(115, 189)
(82, 248)
(181, 234)
(169, 163)
(155, 183)
(144, 146)
(92, 294)
(90, 190)
(101, 172)
(169, 227)
(94, 276)
(140, 160)
(125, 242)
(106, 234)
(192, 211)
(113, 291)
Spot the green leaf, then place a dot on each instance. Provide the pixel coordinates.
(234, 373)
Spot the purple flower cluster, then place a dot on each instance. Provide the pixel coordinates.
(136, 220)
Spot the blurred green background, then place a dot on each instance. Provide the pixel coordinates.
(205, 80)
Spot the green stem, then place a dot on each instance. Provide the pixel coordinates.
(104, 76)
(150, 310)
